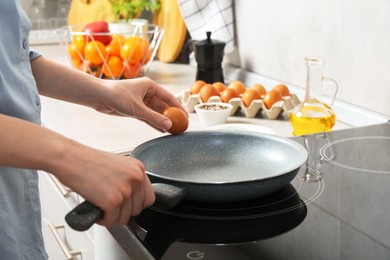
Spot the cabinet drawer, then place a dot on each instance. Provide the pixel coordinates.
(57, 234)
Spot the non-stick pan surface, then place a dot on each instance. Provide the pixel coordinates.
(222, 166)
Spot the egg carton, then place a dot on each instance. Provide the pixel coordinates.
(189, 101)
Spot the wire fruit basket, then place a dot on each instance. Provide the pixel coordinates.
(125, 52)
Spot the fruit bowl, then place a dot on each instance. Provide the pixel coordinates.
(123, 51)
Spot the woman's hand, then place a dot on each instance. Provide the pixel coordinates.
(141, 98)
(116, 184)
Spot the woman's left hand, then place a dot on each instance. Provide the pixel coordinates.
(141, 98)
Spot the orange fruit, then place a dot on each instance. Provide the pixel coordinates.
(260, 88)
(146, 50)
(271, 98)
(228, 94)
(74, 53)
(219, 86)
(132, 70)
(113, 68)
(132, 49)
(95, 70)
(283, 89)
(95, 52)
(147, 56)
(238, 85)
(76, 63)
(79, 41)
(114, 47)
(207, 91)
(196, 86)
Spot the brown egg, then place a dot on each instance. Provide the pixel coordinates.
(219, 86)
(271, 98)
(207, 91)
(179, 120)
(249, 96)
(283, 89)
(196, 86)
(228, 94)
(260, 88)
(238, 85)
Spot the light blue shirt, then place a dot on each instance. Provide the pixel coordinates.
(20, 211)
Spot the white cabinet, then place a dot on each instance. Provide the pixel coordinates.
(61, 241)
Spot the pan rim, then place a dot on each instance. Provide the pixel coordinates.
(297, 146)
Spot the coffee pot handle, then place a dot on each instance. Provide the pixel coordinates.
(188, 49)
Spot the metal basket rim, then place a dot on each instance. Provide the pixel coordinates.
(67, 30)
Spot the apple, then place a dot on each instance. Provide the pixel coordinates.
(99, 31)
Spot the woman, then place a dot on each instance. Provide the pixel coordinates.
(118, 185)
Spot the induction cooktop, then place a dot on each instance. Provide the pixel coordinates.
(337, 207)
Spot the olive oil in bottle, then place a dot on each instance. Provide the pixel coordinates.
(313, 115)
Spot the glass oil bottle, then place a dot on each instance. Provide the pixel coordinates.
(314, 115)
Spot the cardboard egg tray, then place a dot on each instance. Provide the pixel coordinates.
(190, 101)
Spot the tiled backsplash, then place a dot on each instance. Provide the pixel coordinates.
(352, 36)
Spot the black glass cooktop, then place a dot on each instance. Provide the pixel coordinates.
(337, 207)
(222, 223)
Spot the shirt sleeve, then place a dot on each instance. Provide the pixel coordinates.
(34, 54)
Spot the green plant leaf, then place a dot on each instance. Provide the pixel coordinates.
(129, 9)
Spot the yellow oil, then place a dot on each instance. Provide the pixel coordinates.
(312, 117)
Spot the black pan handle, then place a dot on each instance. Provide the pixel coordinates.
(83, 216)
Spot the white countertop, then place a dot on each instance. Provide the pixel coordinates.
(112, 133)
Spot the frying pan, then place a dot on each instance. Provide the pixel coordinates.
(210, 167)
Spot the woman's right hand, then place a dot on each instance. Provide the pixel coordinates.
(116, 184)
